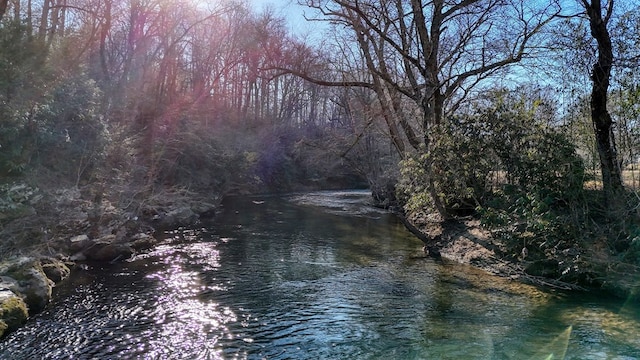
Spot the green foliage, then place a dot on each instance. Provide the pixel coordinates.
(70, 131)
(188, 154)
(541, 168)
(537, 159)
(521, 176)
(543, 182)
(17, 200)
(197, 162)
(22, 78)
(456, 170)
(22, 64)
(48, 118)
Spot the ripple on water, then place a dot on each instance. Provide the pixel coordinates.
(283, 281)
(353, 203)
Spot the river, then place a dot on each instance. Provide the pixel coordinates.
(313, 276)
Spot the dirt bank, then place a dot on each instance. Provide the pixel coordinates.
(464, 240)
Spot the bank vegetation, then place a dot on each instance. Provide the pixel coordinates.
(119, 118)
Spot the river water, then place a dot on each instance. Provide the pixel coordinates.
(313, 276)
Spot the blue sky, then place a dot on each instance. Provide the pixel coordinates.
(293, 12)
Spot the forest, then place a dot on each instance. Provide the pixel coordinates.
(522, 115)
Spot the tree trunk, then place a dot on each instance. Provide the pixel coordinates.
(105, 28)
(3, 7)
(601, 75)
(29, 18)
(44, 19)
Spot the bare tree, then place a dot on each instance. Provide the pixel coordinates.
(431, 54)
(424, 58)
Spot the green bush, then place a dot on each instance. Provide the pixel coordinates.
(49, 117)
(70, 131)
(457, 169)
(543, 175)
(23, 76)
(521, 176)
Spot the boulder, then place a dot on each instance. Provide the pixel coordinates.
(179, 216)
(114, 252)
(54, 269)
(142, 241)
(103, 251)
(13, 311)
(204, 209)
(79, 243)
(26, 278)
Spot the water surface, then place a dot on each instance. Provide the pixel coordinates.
(313, 276)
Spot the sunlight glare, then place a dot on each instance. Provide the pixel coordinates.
(557, 349)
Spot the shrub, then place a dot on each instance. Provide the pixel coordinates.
(502, 163)
(70, 132)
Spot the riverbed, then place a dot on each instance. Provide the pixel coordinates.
(320, 275)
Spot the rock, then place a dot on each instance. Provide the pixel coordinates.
(78, 243)
(55, 270)
(204, 209)
(432, 251)
(107, 239)
(78, 257)
(27, 279)
(79, 238)
(13, 311)
(179, 216)
(142, 241)
(109, 252)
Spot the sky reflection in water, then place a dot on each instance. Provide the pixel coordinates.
(308, 277)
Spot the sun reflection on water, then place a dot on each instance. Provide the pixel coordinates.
(290, 282)
(190, 320)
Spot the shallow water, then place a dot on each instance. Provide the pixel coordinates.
(313, 276)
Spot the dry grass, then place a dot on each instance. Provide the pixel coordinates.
(630, 178)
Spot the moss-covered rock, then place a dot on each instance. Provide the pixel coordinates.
(27, 278)
(13, 311)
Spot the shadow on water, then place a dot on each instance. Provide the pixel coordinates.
(313, 276)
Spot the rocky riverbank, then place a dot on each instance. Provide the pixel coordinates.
(46, 233)
(26, 284)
